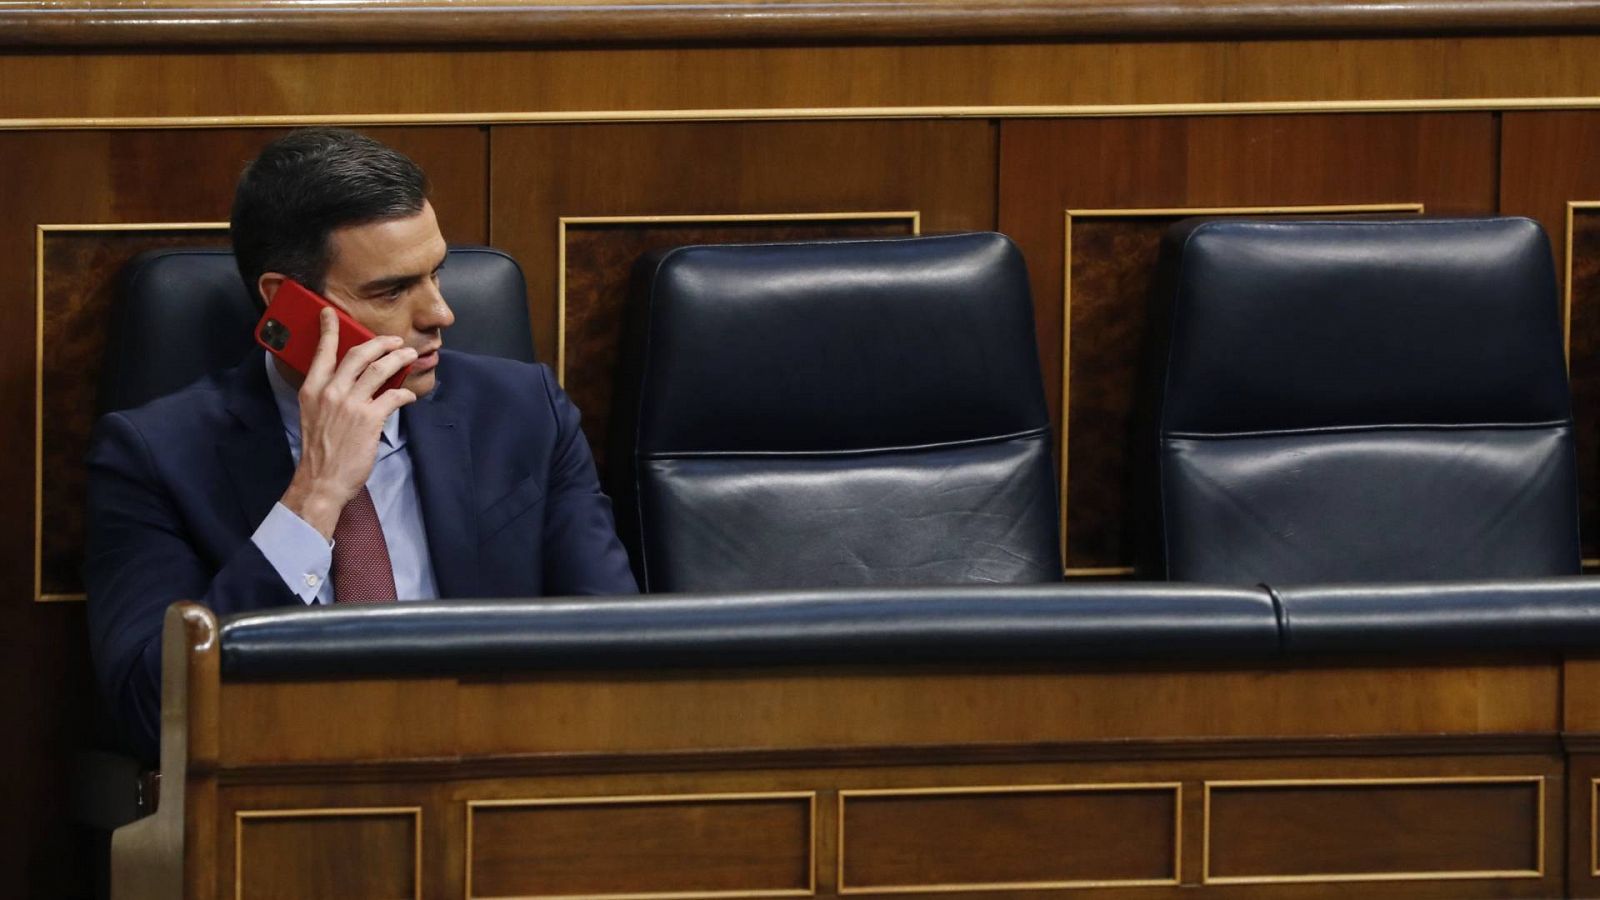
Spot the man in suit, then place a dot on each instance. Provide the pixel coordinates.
(259, 487)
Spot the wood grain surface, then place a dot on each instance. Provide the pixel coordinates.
(497, 85)
(40, 23)
(658, 845)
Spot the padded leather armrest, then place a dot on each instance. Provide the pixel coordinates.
(1547, 613)
(1157, 622)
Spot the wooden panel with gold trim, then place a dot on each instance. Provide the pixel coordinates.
(1110, 260)
(41, 24)
(1580, 309)
(595, 257)
(1012, 837)
(1319, 830)
(333, 852)
(520, 84)
(1547, 173)
(74, 265)
(644, 847)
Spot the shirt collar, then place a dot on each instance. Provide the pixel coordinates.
(288, 400)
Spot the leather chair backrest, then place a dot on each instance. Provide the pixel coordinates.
(840, 413)
(182, 314)
(1364, 400)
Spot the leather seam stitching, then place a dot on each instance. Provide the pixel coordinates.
(864, 451)
(1355, 429)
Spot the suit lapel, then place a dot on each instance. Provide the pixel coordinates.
(441, 463)
(255, 452)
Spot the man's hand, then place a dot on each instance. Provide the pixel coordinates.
(341, 421)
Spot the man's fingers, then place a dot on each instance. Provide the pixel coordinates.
(327, 348)
(382, 369)
(393, 399)
(363, 355)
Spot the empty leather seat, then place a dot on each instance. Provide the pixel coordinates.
(841, 413)
(1363, 400)
(184, 313)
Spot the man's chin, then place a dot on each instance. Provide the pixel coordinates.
(421, 383)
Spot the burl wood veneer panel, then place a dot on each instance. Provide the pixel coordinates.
(1442, 161)
(356, 854)
(599, 258)
(1547, 162)
(1400, 830)
(945, 170)
(1015, 838)
(642, 845)
(80, 270)
(79, 285)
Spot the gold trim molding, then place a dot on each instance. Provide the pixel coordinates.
(1320, 878)
(914, 217)
(1152, 787)
(613, 800)
(1566, 282)
(1046, 111)
(1594, 828)
(1176, 212)
(240, 816)
(40, 232)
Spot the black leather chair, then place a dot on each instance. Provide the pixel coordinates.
(837, 413)
(184, 313)
(1363, 400)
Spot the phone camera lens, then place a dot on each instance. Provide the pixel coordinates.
(275, 334)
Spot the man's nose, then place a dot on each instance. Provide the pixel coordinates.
(434, 312)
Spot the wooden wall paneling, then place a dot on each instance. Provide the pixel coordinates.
(749, 845)
(1055, 812)
(469, 22)
(497, 85)
(788, 179)
(1547, 173)
(1011, 837)
(1285, 832)
(338, 852)
(844, 709)
(1582, 844)
(1442, 162)
(109, 178)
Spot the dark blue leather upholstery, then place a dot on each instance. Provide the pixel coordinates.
(1364, 400)
(949, 624)
(1410, 620)
(840, 413)
(184, 313)
(1154, 622)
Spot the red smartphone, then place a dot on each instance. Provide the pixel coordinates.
(290, 327)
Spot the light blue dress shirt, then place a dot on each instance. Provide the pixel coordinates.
(299, 553)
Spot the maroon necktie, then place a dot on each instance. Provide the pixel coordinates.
(362, 572)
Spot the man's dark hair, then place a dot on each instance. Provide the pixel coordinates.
(303, 187)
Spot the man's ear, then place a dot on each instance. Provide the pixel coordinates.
(268, 284)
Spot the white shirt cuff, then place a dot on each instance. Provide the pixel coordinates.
(300, 554)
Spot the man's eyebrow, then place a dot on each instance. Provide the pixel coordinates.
(380, 285)
(390, 282)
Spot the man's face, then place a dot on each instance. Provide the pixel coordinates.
(386, 276)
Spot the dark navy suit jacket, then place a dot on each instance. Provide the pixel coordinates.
(510, 504)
